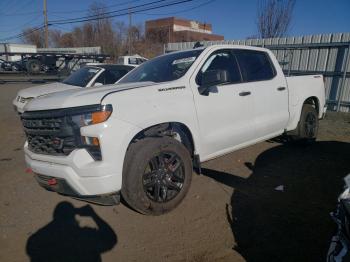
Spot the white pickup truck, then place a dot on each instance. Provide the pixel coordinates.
(142, 137)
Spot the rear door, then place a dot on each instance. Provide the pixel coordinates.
(225, 115)
(268, 89)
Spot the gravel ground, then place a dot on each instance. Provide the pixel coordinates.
(233, 212)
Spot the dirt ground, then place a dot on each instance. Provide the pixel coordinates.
(232, 212)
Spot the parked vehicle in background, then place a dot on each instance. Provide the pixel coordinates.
(134, 60)
(87, 76)
(5, 66)
(36, 63)
(143, 137)
(19, 66)
(15, 48)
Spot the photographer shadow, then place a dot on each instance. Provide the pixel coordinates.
(63, 239)
(281, 212)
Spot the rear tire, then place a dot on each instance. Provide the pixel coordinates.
(157, 174)
(307, 128)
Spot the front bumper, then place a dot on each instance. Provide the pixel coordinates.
(79, 170)
(86, 176)
(82, 173)
(61, 186)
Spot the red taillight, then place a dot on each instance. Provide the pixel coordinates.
(28, 170)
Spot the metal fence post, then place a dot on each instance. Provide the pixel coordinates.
(342, 87)
(291, 52)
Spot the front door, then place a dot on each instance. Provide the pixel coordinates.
(225, 114)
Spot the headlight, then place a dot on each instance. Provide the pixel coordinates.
(96, 116)
(22, 99)
(91, 115)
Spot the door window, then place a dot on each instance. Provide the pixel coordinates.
(221, 60)
(255, 65)
(107, 78)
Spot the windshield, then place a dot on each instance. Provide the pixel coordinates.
(82, 76)
(164, 68)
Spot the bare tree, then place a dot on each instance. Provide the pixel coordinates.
(33, 37)
(155, 40)
(55, 37)
(67, 40)
(274, 17)
(112, 37)
(101, 31)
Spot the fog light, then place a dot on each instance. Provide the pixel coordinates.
(92, 145)
(91, 141)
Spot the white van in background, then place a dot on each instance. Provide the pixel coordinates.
(134, 60)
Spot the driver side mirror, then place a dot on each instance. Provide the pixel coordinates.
(212, 78)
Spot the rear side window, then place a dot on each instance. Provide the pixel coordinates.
(255, 65)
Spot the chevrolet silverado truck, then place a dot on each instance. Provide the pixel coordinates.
(142, 137)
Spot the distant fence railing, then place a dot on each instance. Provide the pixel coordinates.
(326, 54)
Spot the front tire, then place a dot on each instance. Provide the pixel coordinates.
(157, 174)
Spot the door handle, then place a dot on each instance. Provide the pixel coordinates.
(281, 88)
(245, 93)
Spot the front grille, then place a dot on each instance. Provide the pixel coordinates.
(52, 145)
(53, 132)
(44, 124)
(50, 135)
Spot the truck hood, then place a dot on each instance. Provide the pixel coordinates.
(79, 97)
(36, 91)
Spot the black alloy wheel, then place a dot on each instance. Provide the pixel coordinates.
(163, 177)
(310, 125)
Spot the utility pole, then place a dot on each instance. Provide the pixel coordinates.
(46, 25)
(129, 32)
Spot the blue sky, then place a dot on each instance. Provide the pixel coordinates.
(235, 19)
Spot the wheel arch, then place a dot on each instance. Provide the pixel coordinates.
(178, 130)
(314, 101)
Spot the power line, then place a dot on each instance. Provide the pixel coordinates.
(98, 8)
(24, 6)
(60, 27)
(8, 5)
(102, 16)
(182, 11)
(21, 26)
(71, 11)
(107, 13)
(22, 14)
(23, 34)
